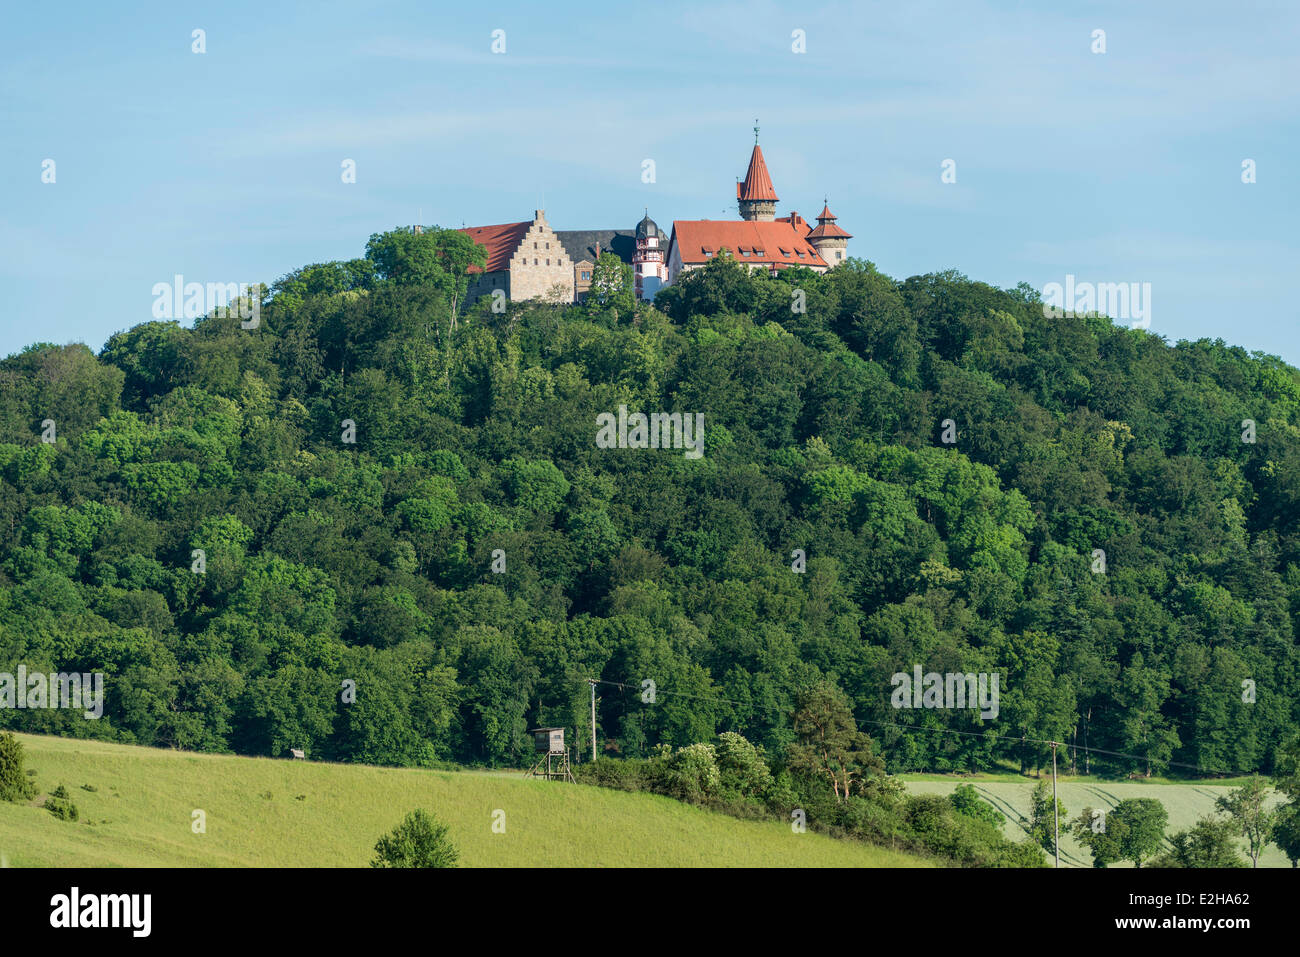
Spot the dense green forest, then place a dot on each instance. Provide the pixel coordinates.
(323, 562)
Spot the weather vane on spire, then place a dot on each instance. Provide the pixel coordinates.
(756, 131)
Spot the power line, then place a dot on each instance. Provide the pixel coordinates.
(991, 736)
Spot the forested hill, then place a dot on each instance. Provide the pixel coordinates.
(326, 561)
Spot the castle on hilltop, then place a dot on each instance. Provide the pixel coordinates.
(532, 260)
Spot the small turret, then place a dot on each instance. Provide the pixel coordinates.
(829, 240)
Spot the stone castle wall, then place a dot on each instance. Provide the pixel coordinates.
(540, 264)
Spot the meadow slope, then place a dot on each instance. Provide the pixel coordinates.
(277, 813)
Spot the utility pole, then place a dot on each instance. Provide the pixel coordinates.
(592, 682)
(1056, 812)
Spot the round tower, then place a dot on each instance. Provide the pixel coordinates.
(648, 264)
(831, 242)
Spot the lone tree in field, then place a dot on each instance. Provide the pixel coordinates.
(1143, 821)
(1134, 830)
(1254, 821)
(14, 783)
(1099, 835)
(419, 841)
(1041, 823)
(1209, 843)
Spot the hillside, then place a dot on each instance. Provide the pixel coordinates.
(264, 813)
(387, 533)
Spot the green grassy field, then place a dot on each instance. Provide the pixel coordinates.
(268, 813)
(1010, 795)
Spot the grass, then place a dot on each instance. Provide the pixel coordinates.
(1185, 801)
(277, 813)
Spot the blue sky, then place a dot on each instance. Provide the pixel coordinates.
(225, 166)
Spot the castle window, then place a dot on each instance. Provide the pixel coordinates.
(586, 275)
(534, 245)
(548, 262)
(760, 252)
(534, 260)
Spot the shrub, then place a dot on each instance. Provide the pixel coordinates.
(873, 821)
(419, 841)
(964, 839)
(61, 808)
(1023, 854)
(627, 774)
(933, 825)
(966, 800)
(692, 773)
(781, 795)
(14, 782)
(742, 769)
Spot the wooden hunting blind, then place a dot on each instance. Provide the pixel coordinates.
(548, 740)
(554, 761)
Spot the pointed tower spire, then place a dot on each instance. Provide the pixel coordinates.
(756, 195)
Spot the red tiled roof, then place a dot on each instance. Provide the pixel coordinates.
(826, 227)
(501, 241)
(768, 242)
(758, 184)
(795, 220)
